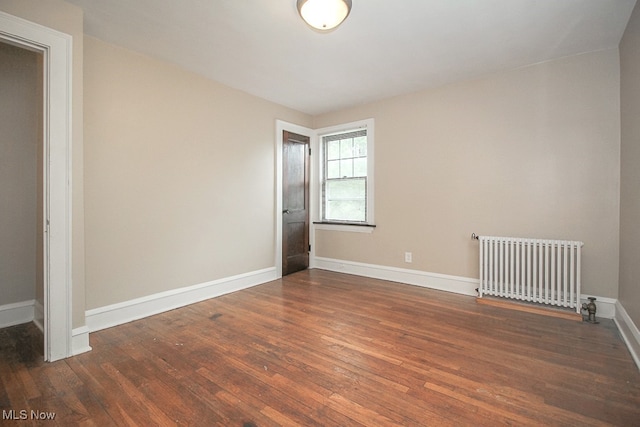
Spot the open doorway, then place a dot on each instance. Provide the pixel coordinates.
(55, 49)
(22, 267)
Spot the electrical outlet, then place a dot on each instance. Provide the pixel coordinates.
(408, 257)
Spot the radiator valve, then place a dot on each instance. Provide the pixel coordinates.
(590, 308)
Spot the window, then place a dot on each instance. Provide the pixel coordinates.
(346, 174)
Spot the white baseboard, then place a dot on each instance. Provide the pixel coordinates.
(80, 340)
(117, 314)
(629, 331)
(442, 282)
(38, 315)
(16, 313)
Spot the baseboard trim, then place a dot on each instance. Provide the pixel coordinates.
(16, 313)
(442, 282)
(38, 315)
(80, 340)
(629, 331)
(118, 314)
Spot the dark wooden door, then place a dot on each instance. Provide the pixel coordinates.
(295, 203)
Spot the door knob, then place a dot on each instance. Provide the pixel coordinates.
(286, 211)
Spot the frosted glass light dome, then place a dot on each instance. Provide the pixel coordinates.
(324, 15)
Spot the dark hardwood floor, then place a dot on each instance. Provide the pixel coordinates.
(320, 348)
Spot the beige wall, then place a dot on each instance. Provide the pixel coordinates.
(179, 177)
(630, 168)
(66, 18)
(532, 152)
(20, 119)
(180, 170)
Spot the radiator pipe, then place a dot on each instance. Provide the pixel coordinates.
(591, 309)
(474, 236)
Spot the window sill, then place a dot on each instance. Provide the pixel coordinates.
(339, 226)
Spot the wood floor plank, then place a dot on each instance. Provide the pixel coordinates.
(328, 349)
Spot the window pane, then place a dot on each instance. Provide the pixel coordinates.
(333, 150)
(360, 167)
(344, 210)
(345, 176)
(333, 169)
(346, 148)
(343, 189)
(345, 200)
(360, 146)
(346, 168)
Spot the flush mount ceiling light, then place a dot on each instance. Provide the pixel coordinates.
(324, 15)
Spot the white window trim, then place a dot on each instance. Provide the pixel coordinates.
(368, 226)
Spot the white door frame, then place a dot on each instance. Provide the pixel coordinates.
(301, 130)
(56, 50)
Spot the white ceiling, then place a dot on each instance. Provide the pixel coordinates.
(384, 48)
